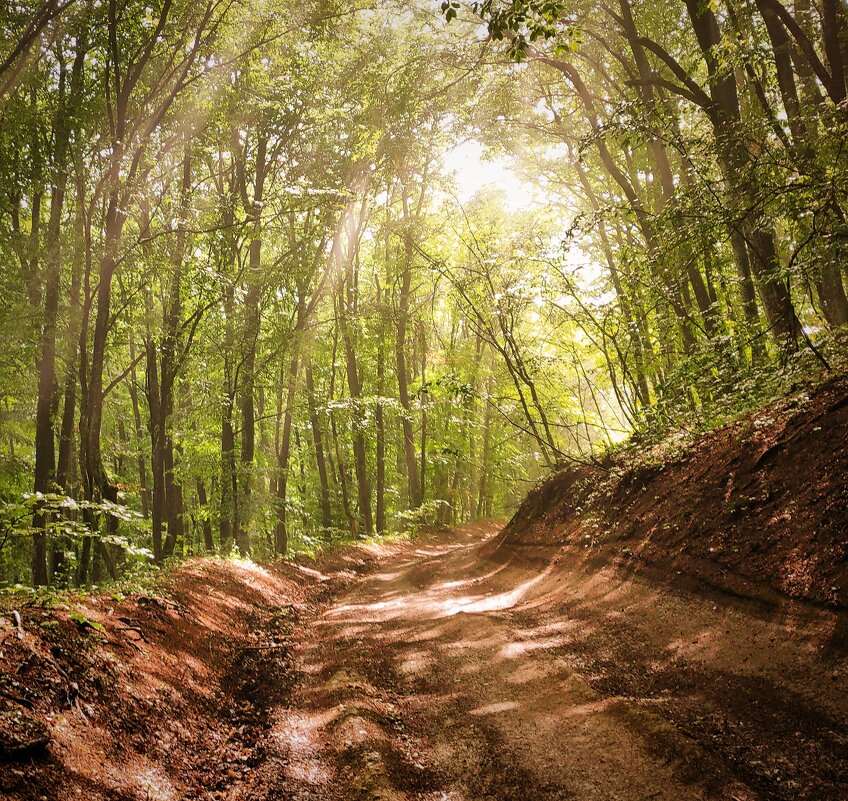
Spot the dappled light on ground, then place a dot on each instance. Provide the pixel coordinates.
(489, 669)
(545, 668)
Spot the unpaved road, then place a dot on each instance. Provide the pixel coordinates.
(459, 671)
(465, 666)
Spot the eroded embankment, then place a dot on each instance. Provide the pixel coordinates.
(155, 696)
(762, 503)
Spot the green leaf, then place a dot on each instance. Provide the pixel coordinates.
(85, 622)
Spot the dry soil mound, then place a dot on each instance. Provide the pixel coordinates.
(762, 501)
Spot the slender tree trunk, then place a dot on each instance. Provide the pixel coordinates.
(484, 499)
(340, 462)
(229, 487)
(302, 487)
(144, 489)
(354, 382)
(173, 498)
(748, 294)
(281, 537)
(251, 336)
(379, 421)
(157, 451)
(413, 481)
(424, 399)
(65, 466)
(320, 460)
(203, 500)
(228, 512)
(170, 361)
(95, 480)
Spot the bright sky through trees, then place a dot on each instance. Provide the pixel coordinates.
(241, 308)
(473, 170)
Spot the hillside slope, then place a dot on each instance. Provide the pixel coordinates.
(760, 503)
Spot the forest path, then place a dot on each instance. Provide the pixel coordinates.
(449, 674)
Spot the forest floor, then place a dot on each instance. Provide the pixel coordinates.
(556, 658)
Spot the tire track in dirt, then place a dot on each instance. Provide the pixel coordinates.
(452, 675)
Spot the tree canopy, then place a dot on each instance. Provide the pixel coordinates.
(252, 299)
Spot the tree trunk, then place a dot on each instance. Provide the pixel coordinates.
(95, 480)
(484, 498)
(65, 465)
(412, 479)
(320, 459)
(144, 489)
(354, 383)
(251, 336)
(340, 463)
(157, 450)
(380, 508)
(203, 500)
(229, 486)
(173, 498)
(228, 511)
(281, 533)
(424, 399)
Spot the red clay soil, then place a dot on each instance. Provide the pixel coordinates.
(491, 670)
(610, 644)
(764, 499)
(153, 696)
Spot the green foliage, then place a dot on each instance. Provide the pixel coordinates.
(414, 520)
(66, 521)
(85, 622)
(268, 317)
(523, 23)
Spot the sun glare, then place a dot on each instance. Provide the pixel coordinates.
(472, 170)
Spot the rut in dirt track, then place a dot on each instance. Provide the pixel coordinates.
(458, 671)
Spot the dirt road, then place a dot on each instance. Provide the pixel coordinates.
(458, 671)
(466, 666)
(617, 640)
